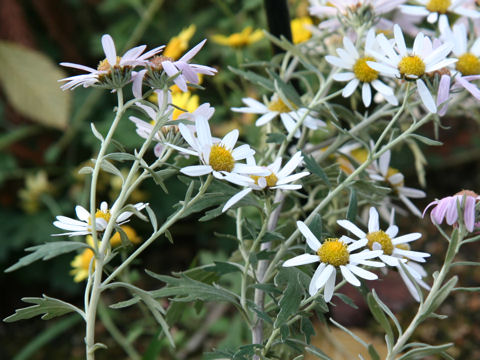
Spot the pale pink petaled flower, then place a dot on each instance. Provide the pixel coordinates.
(83, 226)
(460, 81)
(335, 254)
(276, 178)
(399, 62)
(434, 10)
(447, 208)
(187, 73)
(122, 66)
(443, 94)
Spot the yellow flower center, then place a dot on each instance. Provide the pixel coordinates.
(403, 246)
(411, 65)
(104, 65)
(156, 62)
(392, 171)
(334, 252)
(438, 6)
(271, 179)
(101, 215)
(363, 72)
(383, 239)
(468, 64)
(221, 159)
(279, 106)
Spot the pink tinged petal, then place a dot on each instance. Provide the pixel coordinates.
(133, 54)
(392, 231)
(196, 170)
(82, 213)
(158, 150)
(242, 152)
(109, 49)
(438, 213)
(452, 214)
(312, 289)
(344, 76)
(291, 165)
(137, 84)
(472, 89)
(426, 97)
(469, 213)
(189, 55)
(366, 94)
(348, 225)
(78, 66)
(357, 244)
(187, 72)
(152, 52)
(312, 241)
(373, 221)
(266, 118)
(406, 238)
(201, 69)
(364, 274)
(301, 260)
(230, 139)
(350, 88)
(236, 198)
(443, 93)
(328, 281)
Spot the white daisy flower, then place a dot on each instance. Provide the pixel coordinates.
(435, 9)
(277, 178)
(396, 250)
(289, 114)
(381, 171)
(217, 158)
(468, 56)
(83, 226)
(335, 254)
(399, 62)
(111, 72)
(359, 72)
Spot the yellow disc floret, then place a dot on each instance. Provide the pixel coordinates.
(221, 159)
(104, 65)
(438, 6)
(334, 252)
(363, 72)
(411, 65)
(270, 179)
(383, 239)
(468, 64)
(279, 106)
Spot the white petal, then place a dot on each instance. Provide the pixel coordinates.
(347, 275)
(312, 289)
(203, 132)
(344, 76)
(426, 97)
(236, 198)
(350, 88)
(366, 94)
(373, 224)
(242, 152)
(230, 139)
(292, 178)
(364, 274)
(109, 49)
(266, 118)
(406, 238)
(82, 213)
(329, 286)
(301, 260)
(196, 170)
(312, 241)
(357, 244)
(291, 165)
(352, 228)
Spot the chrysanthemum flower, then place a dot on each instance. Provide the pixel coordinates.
(289, 114)
(359, 72)
(178, 44)
(335, 254)
(447, 208)
(381, 171)
(300, 29)
(83, 226)
(278, 178)
(238, 40)
(435, 9)
(399, 62)
(217, 158)
(113, 72)
(395, 249)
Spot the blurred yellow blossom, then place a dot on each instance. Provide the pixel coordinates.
(300, 31)
(132, 235)
(178, 44)
(237, 40)
(184, 100)
(35, 185)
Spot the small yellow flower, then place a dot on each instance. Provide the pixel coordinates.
(184, 100)
(81, 263)
(300, 32)
(35, 185)
(132, 235)
(178, 44)
(238, 40)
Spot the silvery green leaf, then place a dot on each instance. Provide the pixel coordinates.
(120, 156)
(152, 217)
(353, 335)
(224, 267)
(46, 306)
(442, 294)
(307, 329)
(420, 353)
(276, 138)
(380, 317)
(426, 140)
(254, 78)
(47, 251)
(290, 301)
(387, 311)
(317, 352)
(96, 133)
(85, 170)
(373, 352)
(168, 235)
(107, 166)
(314, 168)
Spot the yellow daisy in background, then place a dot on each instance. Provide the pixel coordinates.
(184, 100)
(132, 235)
(238, 40)
(300, 31)
(178, 44)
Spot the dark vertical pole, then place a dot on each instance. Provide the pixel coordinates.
(278, 20)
